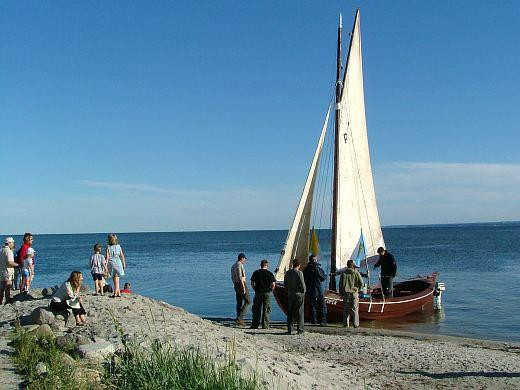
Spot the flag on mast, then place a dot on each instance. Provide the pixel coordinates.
(314, 245)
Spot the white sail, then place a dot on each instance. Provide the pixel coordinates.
(357, 216)
(297, 243)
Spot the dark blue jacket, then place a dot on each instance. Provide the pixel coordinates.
(314, 276)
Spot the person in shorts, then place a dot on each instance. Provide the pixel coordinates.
(98, 267)
(27, 270)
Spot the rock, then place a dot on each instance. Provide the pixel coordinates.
(67, 360)
(44, 331)
(47, 292)
(41, 316)
(71, 341)
(84, 289)
(41, 369)
(89, 375)
(96, 352)
(30, 328)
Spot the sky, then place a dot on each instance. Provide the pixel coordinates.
(174, 116)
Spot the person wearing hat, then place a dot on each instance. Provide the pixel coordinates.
(349, 285)
(7, 265)
(238, 277)
(27, 270)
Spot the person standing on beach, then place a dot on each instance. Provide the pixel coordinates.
(20, 257)
(388, 271)
(7, 265)
(27, 270)
(263, 283)
(350, 283)
(98, 267)
(314, 276)
(238, 277)
(116, 263)
(294, 283)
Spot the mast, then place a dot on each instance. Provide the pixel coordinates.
(332, 281)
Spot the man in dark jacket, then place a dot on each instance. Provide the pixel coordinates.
(314, 276)
(388, 271)
(294, 284)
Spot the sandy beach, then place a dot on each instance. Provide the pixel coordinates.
(322, 358)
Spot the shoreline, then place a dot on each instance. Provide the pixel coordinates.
(337, 329)
(322, 358)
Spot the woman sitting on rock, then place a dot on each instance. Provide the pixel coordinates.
(67, 297)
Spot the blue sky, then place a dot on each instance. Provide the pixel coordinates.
(167, 116)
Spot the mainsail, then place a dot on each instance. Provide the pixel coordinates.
(357, 216)
(297, 243)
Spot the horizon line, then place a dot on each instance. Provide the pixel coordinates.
(266, 230)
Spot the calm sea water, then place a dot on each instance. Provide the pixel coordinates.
(480, 265)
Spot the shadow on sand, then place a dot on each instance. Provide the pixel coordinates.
(459, 374)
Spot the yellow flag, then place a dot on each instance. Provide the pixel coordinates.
(314, 245)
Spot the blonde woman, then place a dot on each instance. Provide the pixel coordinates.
(67, 297)
(116, 262)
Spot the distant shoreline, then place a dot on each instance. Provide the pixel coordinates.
(431, 225)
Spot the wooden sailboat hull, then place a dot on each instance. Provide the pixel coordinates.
(409, 296)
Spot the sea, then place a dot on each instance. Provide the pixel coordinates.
(479, 263)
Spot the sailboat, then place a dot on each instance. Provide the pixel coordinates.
(356, 229)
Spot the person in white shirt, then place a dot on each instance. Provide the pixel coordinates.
(27, 270)
(7, 265)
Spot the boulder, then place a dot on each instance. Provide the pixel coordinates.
(96, 352)
(42, 315)
(89, 375)
(67, 360)
(41, 368)
(44, 331)
(84, 289)
(47, 292)
(72, 341)
(30, 328)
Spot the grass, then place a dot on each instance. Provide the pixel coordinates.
(31, 350)
(164, 367)
(157, 367)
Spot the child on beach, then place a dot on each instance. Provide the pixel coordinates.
(116, 262)
(98, 266)
(126, 289)
(27, 270)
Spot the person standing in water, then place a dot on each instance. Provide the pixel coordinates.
(115, 258)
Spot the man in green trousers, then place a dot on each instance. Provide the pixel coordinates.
(263, 283)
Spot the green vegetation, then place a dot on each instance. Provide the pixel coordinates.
(157, 367)
(30, 350)
(163, 367)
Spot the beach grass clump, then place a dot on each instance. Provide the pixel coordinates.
(39, 361)
(164, 367)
